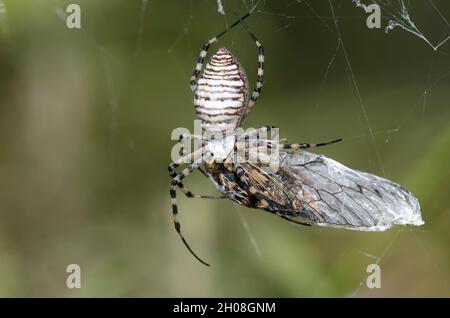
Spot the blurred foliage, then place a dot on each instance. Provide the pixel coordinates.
(85, 123)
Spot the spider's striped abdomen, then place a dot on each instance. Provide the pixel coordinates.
(220, 98)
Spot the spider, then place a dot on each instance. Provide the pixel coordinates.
(306, 189)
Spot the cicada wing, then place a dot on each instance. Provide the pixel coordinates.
(333, 195)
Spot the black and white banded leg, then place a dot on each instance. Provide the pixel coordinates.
(260, 73)
(283, 146)
(255, 132)
(306, 145)
(172, 172)
(181, 186)
(173, 195)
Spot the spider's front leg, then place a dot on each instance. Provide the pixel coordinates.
(180, 185)
(306, 145)
(282, 145)
(173, 193)
(282, 142)
(256, 131)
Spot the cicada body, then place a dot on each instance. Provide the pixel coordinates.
(312, 189)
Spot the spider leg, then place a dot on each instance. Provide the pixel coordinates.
(260, 73)
(259, 129)
(188, 193)
(260, 149)
(204, 51)
(306, 145)
(282, 145)
(173, 195)
(185, 159)
(179, 162)
(181, 186)
(256, 132)
(188, 136)
(248, 139)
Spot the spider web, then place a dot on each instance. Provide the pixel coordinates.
(398, 15)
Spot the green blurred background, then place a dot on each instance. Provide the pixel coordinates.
(85, 123)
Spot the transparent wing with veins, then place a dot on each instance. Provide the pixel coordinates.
(313, 188)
